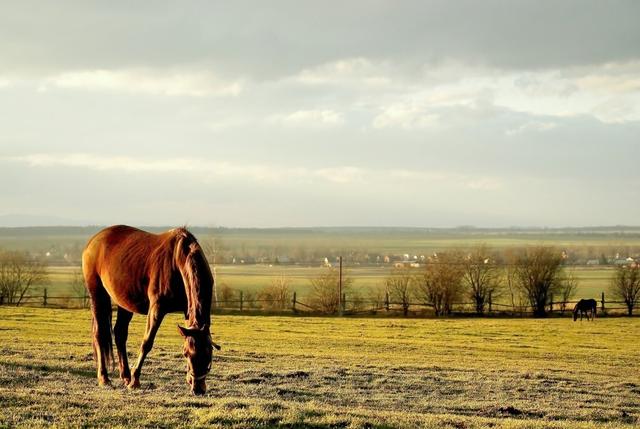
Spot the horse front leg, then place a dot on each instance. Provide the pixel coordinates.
(154, 319)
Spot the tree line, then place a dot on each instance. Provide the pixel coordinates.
(529, 277)
(532, 278)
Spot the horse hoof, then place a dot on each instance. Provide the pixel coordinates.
(135, 384)
(126, 381)
(104, 382)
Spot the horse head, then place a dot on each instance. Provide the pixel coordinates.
(198, 350)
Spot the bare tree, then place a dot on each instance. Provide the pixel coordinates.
(278, 294)
(376, 297)
(399, 286)
(481, 276)
(249, 298)
(519, 300)
(568, 287)
(538, 274)
(213, 249)
(441, 284)
(324, 290)
(77, 285)
(18, 274)
(625, 286)
(226, 294)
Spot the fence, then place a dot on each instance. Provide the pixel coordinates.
(347, 307)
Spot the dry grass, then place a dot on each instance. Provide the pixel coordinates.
(330, 372)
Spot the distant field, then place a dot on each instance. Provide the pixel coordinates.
(592, 281)
(291, 372)
(342, 240)
(321, 242)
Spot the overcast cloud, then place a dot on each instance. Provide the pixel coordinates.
(435, 113)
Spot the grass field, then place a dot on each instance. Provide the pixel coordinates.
(332, 372)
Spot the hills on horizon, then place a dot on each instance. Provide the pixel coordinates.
(39, 224)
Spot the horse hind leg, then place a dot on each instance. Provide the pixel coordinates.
(121, 332)
(101, 326)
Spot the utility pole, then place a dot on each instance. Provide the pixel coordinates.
(340, 289)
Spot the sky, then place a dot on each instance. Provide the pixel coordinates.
(333, 113)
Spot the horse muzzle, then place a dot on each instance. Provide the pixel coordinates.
(198, 383)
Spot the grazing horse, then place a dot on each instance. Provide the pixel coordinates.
(152, 274)
(585, 307)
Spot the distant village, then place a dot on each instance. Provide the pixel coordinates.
(575, 257)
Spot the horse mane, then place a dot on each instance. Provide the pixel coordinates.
(189, 260)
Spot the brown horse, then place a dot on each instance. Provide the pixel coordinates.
(152, 274)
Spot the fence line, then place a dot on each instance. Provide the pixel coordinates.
(344, 306)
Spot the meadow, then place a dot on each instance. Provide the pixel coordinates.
(321, 372)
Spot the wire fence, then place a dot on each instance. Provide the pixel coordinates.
(350, 307)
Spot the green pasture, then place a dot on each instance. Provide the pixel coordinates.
(294, 372)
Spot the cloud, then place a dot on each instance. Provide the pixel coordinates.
(358, 71)
(452, 179)
(310, 118)
(610, 93)
(342, 174)
(532, 126)
(146, 81)
(277, 174)
(408, 116)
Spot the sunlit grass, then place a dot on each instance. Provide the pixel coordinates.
(332, 372)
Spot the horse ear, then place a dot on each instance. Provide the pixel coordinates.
(185, 332)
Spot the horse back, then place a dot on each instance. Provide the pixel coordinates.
(134, 266)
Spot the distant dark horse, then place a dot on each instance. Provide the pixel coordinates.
(586, 307)
(152, 274)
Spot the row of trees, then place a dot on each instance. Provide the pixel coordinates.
(530, 277)
(533, 279)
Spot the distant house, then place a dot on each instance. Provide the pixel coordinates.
(406, 264)
(593, 262)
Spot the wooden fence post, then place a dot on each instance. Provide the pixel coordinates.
(44, 298)
(386, 300)
(602, 308)
(241, 295)
(293, 304)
